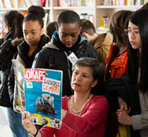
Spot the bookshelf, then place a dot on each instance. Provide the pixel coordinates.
(95, 10)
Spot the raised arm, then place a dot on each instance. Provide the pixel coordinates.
(96, 114)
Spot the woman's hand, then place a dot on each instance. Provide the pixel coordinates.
(31, 128)
(123, 105)
(123, 117)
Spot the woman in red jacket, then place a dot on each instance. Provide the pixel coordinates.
(83, 114)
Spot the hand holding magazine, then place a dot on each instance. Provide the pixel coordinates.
(38, 91)
(43, 96)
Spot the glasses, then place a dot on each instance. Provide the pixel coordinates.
(130, 32)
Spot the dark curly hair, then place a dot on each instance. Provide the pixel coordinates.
(35, 13)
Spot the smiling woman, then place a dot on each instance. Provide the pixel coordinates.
(83, 114)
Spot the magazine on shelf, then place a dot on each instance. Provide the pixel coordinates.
(43, 96)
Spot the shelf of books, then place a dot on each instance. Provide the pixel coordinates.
(75, 3)
(118, 7)
(97, 11)
(22, 4)
(85, 8)
(121, 2)
(106, 8)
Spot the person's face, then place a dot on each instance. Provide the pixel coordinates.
(68, 33)
(134, 36)
(4, 31)
(32, 32)
(82, 79)
(6, 28)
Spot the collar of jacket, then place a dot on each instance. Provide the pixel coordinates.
(104, 39)
(56, 41)
(8, 35)
(23, 49)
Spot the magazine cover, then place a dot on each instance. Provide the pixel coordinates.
(43, 96)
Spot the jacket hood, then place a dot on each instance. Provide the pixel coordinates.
(55, 40)
(51, 45)
(54, 36)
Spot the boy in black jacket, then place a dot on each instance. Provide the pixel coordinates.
(65, 47)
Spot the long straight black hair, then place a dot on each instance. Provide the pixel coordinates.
(138, 60)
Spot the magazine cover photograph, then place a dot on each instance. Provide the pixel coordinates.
(43, 96)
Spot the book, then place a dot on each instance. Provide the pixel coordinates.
(28, 3)
(3, 4)
(43, 96)
(8, 4)
(61, 3)
(14, 3)
(22, 4)
(43, 3)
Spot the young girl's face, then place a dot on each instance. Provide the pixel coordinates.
(134, 36)
(32, 32)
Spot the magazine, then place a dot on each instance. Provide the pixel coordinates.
(43, 96)
(19, 97)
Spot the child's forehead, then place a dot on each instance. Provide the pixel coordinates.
(63, 24)
(132, 25)
(69, 28)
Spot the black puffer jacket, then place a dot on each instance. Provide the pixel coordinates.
(7, 50)
(54, 56)
(22, 52)
(121, 87)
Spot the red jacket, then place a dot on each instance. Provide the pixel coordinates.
(91, 123)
